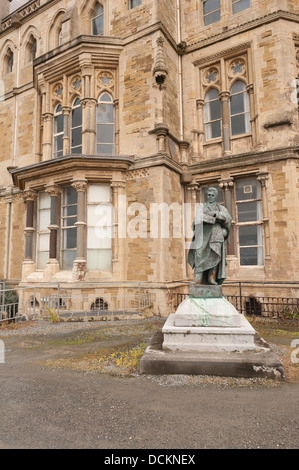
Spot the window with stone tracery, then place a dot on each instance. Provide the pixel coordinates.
(105, 125)
(212, 114)
(76, 127)
(239, 109)
(97, 20)
(58, 132)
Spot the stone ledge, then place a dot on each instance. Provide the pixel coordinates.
(262, 362)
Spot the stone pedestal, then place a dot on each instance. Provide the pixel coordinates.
(208, 336)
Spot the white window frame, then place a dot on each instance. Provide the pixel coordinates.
(255, 223)
(94, 16)
(246, 109)
(207, 116)
(65, 228)
(45, 232)
(58, 153)
(99, 123)
(73, 128)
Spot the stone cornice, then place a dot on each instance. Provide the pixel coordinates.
(275, 16)
(57, 166)
(245, 160)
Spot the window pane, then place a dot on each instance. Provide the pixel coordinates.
(99, 237)
(99, 193)
(213, 130)
(68, 257)
(238, 87)
(77, 117)
(105, 113)
(211, 5)
(105, 133)
(241, 5)
(43, 242)
(77, 149)
(249, 235)
(70, 238)
(44, 200)
(98, 25)
(248, 189)
(76, 137)
(44, 219)
(69, 221)
(42, 259)
(238, 124)
(212, 18)
(58, 145)
(105, 149)
(58, 124)
(99, 215)
(248, 212)
(237, 104)
(215, 110)
(251, 256)
(70, 195)
(99, 260)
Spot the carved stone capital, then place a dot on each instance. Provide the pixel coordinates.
(29, 195)
(80, 185)
(54, 190)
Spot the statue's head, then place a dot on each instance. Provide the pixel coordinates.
(212, 194)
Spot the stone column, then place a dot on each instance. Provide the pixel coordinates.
(66, 110)
(55, 192)
(29, 197)
(114, 187)
(227, 187)
(89, 106)
(79, 269)
(224, 97)
(263, 180)
(47, 120)
(200, 126)
(116, 130)
(254, 129)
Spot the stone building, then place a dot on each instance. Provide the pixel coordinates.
(116, 107)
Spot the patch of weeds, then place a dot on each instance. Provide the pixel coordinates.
(123, 362)
(53, 316)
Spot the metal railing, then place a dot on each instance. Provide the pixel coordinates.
(259, 305)
(31, 303)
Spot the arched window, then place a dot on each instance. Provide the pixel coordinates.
(31, 49)
(8, 61)
(58, 132)
(105, 125)
(97, 20)
(239, 109)
(76, 127)
(212, 114)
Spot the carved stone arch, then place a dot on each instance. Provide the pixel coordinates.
(8, 48)
(85, 13)
(26, 42)
(211, 87)
(54, 30)
(238, 79)
(101, 91)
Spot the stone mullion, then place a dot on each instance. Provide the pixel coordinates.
(30, 198)
(81, 187)
(55, 194)
(89, 103)
(116, 130)
(224, 97)
(66, 110)
(227, 187)
(263, 179)
(200, 126)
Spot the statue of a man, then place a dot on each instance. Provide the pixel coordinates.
(208, 257)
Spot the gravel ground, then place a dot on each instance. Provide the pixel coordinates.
(43, 406)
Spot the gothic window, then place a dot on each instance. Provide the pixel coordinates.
(68, 228)
(211, 11)
(97, 20)
(8, 61)
(135, 3)
(212, 114)
(105, 125)
(58, 132)
(43, 233)
(99, 227)
(76, 127)
(31, 49)
(239, 5)
(249, 222)
(239, 109)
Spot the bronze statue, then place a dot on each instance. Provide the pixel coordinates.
(211, 229)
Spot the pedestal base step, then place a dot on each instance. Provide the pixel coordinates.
(260, 362)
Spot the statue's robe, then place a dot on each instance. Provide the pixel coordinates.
(210, 252)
